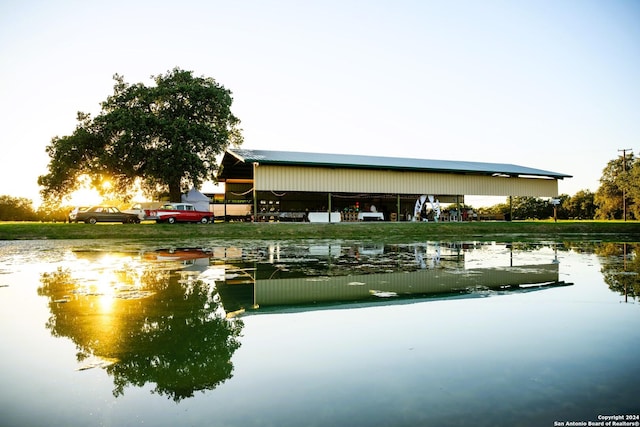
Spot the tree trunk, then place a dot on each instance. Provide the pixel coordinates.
(175, 195)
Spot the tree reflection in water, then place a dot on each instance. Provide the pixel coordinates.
(153, 324)
(621, 267)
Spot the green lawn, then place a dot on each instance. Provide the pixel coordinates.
(628, 231)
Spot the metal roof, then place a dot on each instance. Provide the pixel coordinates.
(294, 158)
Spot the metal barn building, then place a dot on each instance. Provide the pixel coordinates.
(286, 185)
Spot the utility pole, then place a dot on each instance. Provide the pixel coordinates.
(624, 169)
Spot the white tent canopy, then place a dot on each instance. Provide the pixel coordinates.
(197, 199)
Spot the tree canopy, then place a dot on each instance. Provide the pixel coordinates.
(166, 137)
(579, 206)
(16, 209)
(620, 178)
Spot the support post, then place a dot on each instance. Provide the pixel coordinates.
(329, 207)
(255, 195)
(510, 208)
(255, 204)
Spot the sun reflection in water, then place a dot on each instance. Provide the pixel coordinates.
(106, 282)
(109, 278)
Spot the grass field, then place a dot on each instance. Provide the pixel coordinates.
(617, 231)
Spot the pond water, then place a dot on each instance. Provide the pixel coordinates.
(318, 333)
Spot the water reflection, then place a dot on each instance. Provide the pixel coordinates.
(315, 276)
(144, 322)
(621, 268)
(170, 317)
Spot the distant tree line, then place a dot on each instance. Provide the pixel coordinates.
(21, 209)
(16, 209)
(620, 179)
(579, 206)
(618, 196)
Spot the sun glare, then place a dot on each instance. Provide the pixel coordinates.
(85, 197)
(86, 194)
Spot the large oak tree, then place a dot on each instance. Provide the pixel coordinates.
(167, 137)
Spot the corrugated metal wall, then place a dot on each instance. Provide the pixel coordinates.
(348, 288)
(296, 178)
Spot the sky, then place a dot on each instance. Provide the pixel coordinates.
(548, 84)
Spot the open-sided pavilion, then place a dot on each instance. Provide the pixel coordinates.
(287, 185)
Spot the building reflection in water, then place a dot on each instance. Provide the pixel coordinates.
(309, 277)
(169, 318)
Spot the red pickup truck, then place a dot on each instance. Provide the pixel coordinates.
(179, 212)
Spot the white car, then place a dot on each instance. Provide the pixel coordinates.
(137, 210)
(74, 213)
